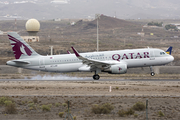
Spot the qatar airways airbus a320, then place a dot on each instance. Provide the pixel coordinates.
(112, 62)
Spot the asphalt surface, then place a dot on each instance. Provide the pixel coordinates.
(89, 79)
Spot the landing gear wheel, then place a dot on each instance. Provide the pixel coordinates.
(96, 77)
(152, 73)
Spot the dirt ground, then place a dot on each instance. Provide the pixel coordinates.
(162, 96)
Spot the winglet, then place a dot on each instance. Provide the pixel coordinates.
(169, 50)
(75, 52)
(68, 52)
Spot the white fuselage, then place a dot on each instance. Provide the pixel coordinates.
(70, 63)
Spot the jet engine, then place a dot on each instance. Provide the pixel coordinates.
(118, 69)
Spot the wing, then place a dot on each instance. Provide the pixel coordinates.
(95, 63)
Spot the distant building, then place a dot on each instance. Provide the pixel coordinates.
(1, 32)
(57, 19)
(73, 23)
(59, 1)
(30, 38)
(177, 25)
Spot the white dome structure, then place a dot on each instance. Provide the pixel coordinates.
(32, 26)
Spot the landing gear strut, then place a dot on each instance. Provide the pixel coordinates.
(96, 76)
(152, 72)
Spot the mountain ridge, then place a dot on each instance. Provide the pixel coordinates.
(124, 9)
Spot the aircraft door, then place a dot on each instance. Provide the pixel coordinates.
(152, 57)
(41, 63)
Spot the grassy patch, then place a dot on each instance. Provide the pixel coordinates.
(102, 109)
(7, 102)
(139, 106)
(64, 104)
(160, 114)
(61, 114)
(74, 118)
(130, 112)
(123, 113)
(135, 115)
(46, 107)
(57, 104)
(11, 108)
(3, 99)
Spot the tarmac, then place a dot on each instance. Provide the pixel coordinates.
(90, 79)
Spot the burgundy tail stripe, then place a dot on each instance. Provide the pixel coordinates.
(76, 53)
(12, 38)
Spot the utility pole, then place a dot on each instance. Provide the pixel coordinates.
(146, 109)
(68, 115)
(15, 25)
(97, 16)
(51, 50)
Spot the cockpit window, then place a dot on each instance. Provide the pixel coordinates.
(162, 53)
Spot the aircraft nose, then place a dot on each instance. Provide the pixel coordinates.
(171, 58)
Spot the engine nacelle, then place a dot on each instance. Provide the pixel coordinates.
(118, 69)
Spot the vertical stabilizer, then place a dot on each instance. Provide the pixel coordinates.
(169, 50)
(20, 48)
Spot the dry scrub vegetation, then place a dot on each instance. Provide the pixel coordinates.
(89, 100)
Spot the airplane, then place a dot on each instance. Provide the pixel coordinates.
(112, 62)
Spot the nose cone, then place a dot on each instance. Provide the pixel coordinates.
(170, 58)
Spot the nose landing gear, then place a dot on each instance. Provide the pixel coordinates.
(152, 72)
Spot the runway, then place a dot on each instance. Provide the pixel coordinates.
(89, 79)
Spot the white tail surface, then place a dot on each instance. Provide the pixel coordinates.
(20, 48)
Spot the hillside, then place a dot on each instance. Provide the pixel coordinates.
(124, 9)
(105, 23)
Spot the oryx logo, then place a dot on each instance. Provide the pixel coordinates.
(19, 48)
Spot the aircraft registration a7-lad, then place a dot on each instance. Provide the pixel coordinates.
(113, 62)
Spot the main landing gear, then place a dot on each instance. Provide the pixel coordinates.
(152, 72)
(96, 76)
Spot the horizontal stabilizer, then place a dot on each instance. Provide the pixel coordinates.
(22, 62)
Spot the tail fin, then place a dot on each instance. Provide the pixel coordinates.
(20, 48)
(169, 50)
